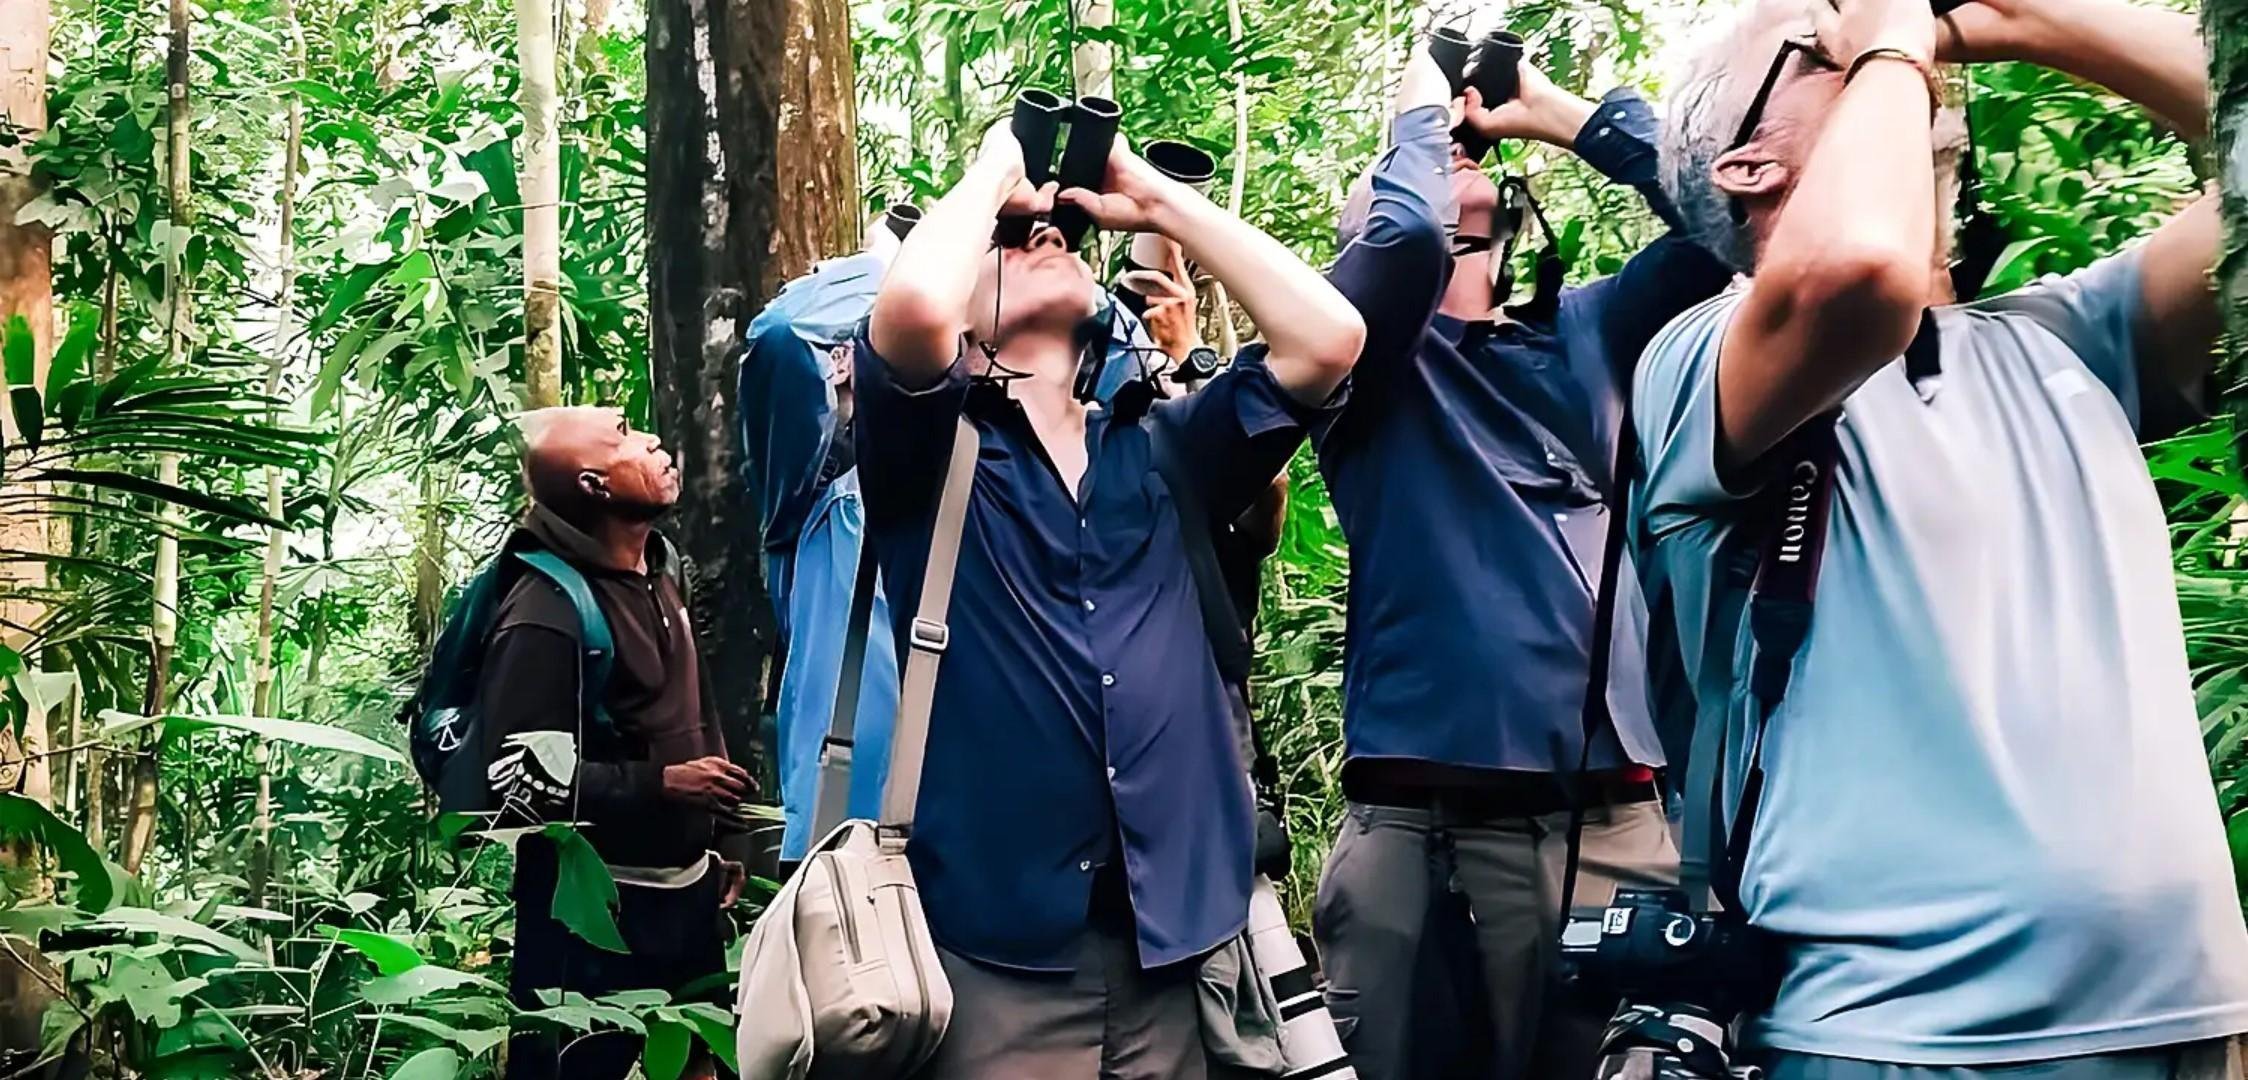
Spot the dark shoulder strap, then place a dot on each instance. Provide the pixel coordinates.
(594, 642)
(1228, 641)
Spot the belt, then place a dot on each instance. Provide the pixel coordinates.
(1516, 796)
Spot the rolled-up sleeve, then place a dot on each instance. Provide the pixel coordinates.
(902, 437)
(1618, 141)
(1239, 431)
(1395, 270)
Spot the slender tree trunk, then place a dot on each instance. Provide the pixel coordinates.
(1229, 339)
(2224, 25)
(429, 559)
(541, 184)
(262, 701)
(749, 182)
(140, 832)
(1094, 62)
(26, 292)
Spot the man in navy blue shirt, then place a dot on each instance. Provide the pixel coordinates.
(1084, 829)
(1469, 474)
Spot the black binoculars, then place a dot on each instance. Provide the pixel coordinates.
(901, 218)
(1496, 78)
(1037, 125)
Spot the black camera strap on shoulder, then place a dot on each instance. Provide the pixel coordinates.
(1792, 546)
(1229, 639)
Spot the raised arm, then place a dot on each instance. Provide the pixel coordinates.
(1849, 263)
(2155, 58)
(922, 310)
(1313, 333)
(1395, 269)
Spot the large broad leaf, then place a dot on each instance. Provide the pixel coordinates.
(421, 982)
(476, 1042)
(21, 817)
(148, 921)
(665, 1053)
(435, 1063)
(77, 344)
(112, 480)
(585, 896)
(20, 351)
(392, 955)
(353, 289)
(715, 1027)
(318, 736)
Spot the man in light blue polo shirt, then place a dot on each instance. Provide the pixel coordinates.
(1986, 836)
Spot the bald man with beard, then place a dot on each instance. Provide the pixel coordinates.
(651, 789)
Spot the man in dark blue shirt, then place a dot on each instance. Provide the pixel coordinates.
(1469, 474)
(1084, 830)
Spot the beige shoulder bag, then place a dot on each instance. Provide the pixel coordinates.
(841, 966)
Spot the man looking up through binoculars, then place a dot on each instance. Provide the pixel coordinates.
(1470, 473)
(1084, 825)
(1987, 838)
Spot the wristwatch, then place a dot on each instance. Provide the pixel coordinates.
(1201, 362)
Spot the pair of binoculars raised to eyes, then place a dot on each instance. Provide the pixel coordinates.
(1496, 78)
(1037, 125)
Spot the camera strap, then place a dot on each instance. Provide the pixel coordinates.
(1791, 550)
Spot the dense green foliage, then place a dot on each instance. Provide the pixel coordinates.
(369, 949)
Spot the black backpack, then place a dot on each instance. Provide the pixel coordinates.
(444, 728)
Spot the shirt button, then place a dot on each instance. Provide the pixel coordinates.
(1089, 605)
(1112, 772)
(1107, 679)
(1086, 864)
(1604, 130)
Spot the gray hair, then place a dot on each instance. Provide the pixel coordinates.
(1701, 116)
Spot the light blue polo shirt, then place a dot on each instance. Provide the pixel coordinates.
(1988, 832)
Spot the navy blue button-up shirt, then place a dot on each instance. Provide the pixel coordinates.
(1079, 705)
(1468, 471)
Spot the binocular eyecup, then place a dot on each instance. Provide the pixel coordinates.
(1496, 74)
(1187, 164)
(1037, 123)
(901, 218)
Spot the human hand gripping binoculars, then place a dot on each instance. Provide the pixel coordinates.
(1496, 76)
(1037, 124)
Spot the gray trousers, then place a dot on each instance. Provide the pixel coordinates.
(1374, 897)
(2220, 1059)
(1108, 1020)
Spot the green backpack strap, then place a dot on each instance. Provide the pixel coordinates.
(593, 627)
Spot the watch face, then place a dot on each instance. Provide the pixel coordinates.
(1201, 363)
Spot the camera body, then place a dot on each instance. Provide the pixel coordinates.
(1683, 976)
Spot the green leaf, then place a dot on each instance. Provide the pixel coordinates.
(715, 1027)
(435, 1063)
(353, 289)
(22, 818)
(232, 509)
(392, 955)
(19, 352)
(314, 91)
(420, 982)
(476, 1042)
(69, 361)
(665, 1053)
(138, 920)
(412, 270)
(585, 896)
(299, 732)
(31, 414)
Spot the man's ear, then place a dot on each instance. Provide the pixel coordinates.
(593, 484)
(1750, 172)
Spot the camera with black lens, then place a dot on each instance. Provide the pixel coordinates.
(1683, 977)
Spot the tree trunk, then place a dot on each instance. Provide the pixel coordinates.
(1229, 339)
(541, 184)
(140, 829)
(733, 212)
(1094, 62)
(26, 292)
(276, 539)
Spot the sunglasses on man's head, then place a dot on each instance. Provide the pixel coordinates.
(1754, 117)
